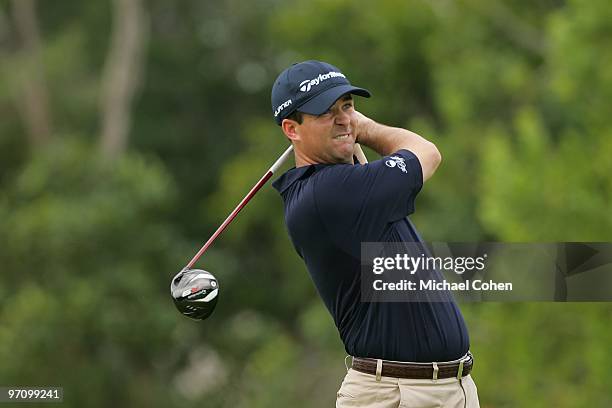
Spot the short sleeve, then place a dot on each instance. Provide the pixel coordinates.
(364, 199)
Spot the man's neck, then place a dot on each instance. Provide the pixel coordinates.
(301, 160)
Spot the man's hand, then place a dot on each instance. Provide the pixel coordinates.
(363, 124)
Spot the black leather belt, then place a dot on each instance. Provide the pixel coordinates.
(432, 371)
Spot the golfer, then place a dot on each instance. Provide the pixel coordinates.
(404, 354)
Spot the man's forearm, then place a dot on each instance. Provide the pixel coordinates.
(387, 139)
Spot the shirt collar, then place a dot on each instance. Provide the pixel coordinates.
(291, 176)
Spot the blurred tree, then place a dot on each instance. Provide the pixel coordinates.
(514, 93)
(122, 73)
(30, 94)
(547, 175)
(32, 98)
(87, 256)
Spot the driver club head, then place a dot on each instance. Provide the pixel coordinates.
(195, 293)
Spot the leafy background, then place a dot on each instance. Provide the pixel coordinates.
(110, 183)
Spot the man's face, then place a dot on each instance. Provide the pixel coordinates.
(329, 137)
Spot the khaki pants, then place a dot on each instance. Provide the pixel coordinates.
(362, 390)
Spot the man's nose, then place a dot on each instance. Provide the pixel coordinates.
(343, 118)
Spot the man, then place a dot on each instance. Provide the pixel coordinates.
(412, 354)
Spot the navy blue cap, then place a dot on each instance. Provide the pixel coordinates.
(309, 87)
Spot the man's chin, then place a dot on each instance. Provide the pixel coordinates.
(346, 153)
(342, 154)
(345, 159)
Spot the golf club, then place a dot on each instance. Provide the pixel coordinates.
(195, 291)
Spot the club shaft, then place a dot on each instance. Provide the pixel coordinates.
(241, 205)
(358, 153)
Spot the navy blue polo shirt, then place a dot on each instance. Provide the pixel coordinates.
(329, 210)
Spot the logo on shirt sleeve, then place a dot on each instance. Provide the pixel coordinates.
(394, 161)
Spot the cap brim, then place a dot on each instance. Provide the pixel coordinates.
(321, 103)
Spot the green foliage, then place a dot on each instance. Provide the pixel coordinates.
(85, 265)
(541, 354)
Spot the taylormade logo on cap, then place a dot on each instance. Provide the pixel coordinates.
(309, 83)
(310, 87)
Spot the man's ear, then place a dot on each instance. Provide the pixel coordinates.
(290, 129)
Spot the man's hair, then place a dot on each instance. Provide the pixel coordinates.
(297, 116)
